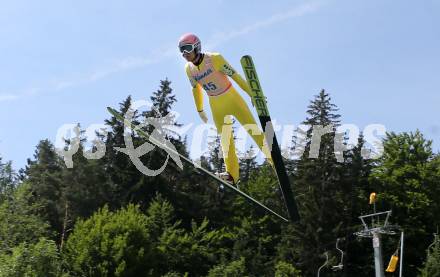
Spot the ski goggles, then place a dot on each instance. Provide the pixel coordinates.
(187, 48)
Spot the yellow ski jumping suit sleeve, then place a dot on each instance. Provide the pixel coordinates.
(212, 75)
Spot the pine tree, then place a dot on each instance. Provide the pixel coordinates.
(179, 186)
(85, 189)
(37, 259)
(8, 180)
(406, 181)
(20, 221)
(44, 174)
(121, 172)
(296, 150)
(162, 100)
(358, 170)
(129, 242)
(248, 164)
(189, 191)
(215, 154)
(321, 191)
(431, 267)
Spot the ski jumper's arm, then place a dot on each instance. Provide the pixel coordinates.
(196, 89)
(222, 65)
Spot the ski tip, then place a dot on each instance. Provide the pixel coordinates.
(246, 57)
(246, 61)
(112, 111)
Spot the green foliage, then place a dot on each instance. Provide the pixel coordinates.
(44, 176)
(263, 186)
(402, 174)
(234, 269)
(323, 192)
(111, 244)
(32, 260)
(8, 180)
(248, 164)
(162, 99)
(18, 221)
(194, 232)
(283, 269)
(255, 240)
(407, 182)
(215, 154)
(65, 194)
(130, 243)
(174, 274)
(431, 267)
(182, 250)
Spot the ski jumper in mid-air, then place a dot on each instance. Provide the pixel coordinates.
(210, 71)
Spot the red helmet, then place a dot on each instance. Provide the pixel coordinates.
(189, 42)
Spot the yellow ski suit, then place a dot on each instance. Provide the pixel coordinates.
(212, 75)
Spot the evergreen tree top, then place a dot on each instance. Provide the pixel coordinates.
(321, 111)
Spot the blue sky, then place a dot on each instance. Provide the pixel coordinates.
(65, 61)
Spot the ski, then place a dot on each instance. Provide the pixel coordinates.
(151, 139)
(259, 101)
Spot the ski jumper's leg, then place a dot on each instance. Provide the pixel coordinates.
(231, 103)
(223, 123)
(242, 113)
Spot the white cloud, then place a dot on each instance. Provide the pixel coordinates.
(131, 63)
(14, 96)
(125, 64)
(297, 11)
(7, 97)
